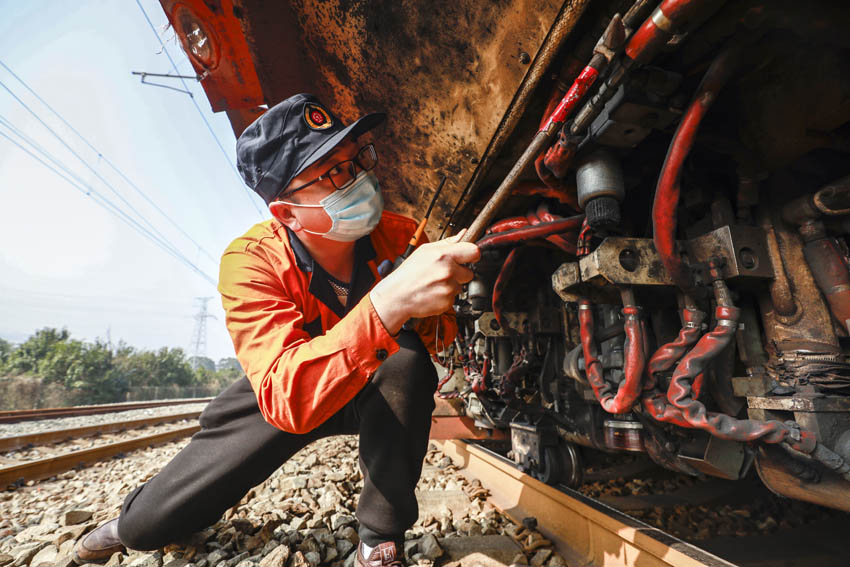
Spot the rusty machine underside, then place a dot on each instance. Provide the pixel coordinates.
(667, 271)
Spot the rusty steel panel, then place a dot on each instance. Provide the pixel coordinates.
(446, 73)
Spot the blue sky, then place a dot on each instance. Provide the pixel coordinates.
(64, 260)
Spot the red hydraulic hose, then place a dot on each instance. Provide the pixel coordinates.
(498, 289)
(511, 223)
(667, 192)
(694, 363)
(657, 30)
(629, 389)
(654, 400)
(524, 234)
(542, 214)
(563, 192)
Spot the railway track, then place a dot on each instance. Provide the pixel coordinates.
(585, 531)
(15, 416)
(15, 472)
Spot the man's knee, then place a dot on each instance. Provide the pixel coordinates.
(139, 527)
(410, 368)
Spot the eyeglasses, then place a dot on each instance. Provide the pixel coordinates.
(343, 173)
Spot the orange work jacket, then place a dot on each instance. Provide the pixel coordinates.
(305, 354)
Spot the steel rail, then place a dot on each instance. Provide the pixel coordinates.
(14, 416)
(58, 435)
(584, 531)
(11, 475)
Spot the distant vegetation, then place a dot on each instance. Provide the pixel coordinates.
(52, 369)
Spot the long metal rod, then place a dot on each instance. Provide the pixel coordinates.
(51, 466)
(58, 435)
(14, 416)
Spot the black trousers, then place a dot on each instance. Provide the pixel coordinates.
(236, 450)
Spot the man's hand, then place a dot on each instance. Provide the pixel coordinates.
(426, 283)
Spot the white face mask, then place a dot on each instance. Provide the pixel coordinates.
(355, 211)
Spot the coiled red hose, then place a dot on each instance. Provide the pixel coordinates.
(629, 389)
(654, 399)
(694, 363)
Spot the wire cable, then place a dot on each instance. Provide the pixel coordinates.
(86, 164)
(198, 108)
(45, 153)
(106, 160)
(110, 207)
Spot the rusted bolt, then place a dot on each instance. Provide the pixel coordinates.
(524, 58)
(494, 325)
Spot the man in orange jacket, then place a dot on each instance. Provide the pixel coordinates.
(319, 335)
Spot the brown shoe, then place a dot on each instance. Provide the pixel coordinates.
(384, 555)
(98, 545)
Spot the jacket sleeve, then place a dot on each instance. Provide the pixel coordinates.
(300, 382)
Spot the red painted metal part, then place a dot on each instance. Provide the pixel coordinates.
(630, 388)
(576, 92)
(720, 425)
(229, 78)
(832, 276)
(558, 158)
(666, 201)
(654, 33)
(654, 400)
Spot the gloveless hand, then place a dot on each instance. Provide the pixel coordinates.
(426, 283)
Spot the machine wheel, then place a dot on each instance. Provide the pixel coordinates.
(561, 465)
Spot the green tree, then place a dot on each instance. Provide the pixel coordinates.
(198, 362)
(29, 354)
(6, 349)
(228, 363)
(145, 369)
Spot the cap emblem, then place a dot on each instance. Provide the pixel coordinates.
(316, 117)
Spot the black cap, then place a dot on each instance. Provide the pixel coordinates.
(290, 137)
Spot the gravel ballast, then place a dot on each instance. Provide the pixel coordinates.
(302, 516)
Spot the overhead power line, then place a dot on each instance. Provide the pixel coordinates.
(107, 161)
(102, 201)
(88, 165)
(79, 183)
(200, 112)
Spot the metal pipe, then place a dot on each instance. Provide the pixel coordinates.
(781, 295)
(610, 41)
(641, 47)
(666, 202)
(829, 270)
